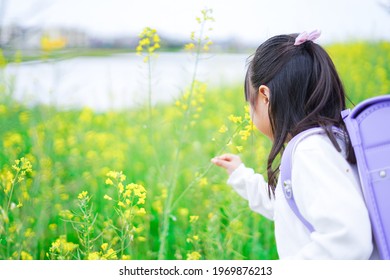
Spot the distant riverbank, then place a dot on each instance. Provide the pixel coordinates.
(109, 80)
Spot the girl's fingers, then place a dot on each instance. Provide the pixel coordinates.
(224, 161)
(226, 157)
(228, 161)
(218, 162)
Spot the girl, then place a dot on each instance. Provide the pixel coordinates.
(292, 85)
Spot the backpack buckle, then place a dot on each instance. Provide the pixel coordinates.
(287, 188)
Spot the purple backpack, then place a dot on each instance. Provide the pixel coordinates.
(368, 125)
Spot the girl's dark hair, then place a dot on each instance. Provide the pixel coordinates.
(305, 92)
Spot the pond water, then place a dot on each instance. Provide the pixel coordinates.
(119, 81)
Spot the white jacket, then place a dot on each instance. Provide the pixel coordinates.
(327, 192)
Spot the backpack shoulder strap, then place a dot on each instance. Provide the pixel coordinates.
(285, 174)
(286, 168)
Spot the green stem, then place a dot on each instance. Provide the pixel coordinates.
(150, 89)
(173, 182)
(11, 192)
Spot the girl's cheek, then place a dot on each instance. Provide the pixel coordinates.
(256, 121)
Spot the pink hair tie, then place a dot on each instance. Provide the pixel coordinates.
(304, 36)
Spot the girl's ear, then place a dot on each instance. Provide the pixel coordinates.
(264, 94)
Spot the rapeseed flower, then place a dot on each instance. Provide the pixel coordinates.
(82, 195)
(203, 181)
(239, 148)
(189, 46)
(201, 41)
(49, 44)
(223, 129)
(25, 256)
(61, 249)
(149, 42)
(194, 256)
(141, 211)
(104, 246)
(235, 119)
(93, 256)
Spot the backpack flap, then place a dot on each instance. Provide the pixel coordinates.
(369, 130)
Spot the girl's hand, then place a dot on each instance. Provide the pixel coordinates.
(228, 161)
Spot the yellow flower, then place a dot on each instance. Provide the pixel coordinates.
(235, 119)
(104, 246)
(121, 187)
(24, 117)
(189, 46)
(93, 256)
(203, 181)
(193, 219)
(157, 206)
(61, 246)
(183, 212)
(23, 165)
(25, 256)
(194, 256)
(156, 38)
(144, 42)
(149, 41)
(223, 129)
(82, 195)
(53, 227)
(66, 214)
(141, 201)
(141, 211)
(29, 233)
(141, 239)
(244, 134)
(50, 44)
(139, 229)
(109, 181)
(239, 148)
(110, 255)
(107, 197)
(138, 49)
(112, 174)
(3, 108)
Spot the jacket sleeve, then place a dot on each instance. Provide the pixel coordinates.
(327, 193)
(252, 187)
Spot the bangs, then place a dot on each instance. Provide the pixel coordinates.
(247, 87)
(250, 93)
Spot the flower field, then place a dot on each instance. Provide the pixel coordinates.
(138, 184)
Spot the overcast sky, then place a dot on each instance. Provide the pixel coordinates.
(248, 20)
